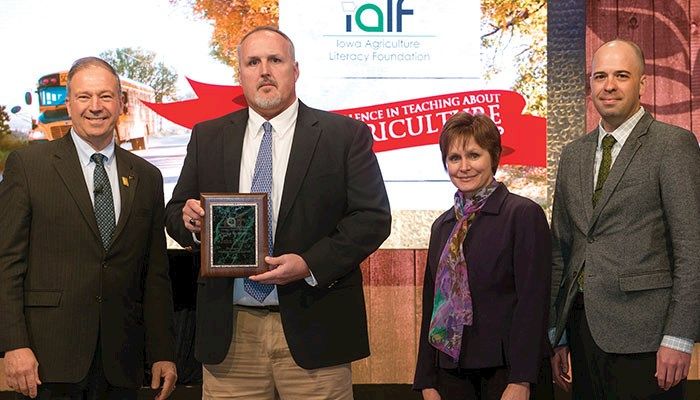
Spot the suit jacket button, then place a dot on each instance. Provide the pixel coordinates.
(591, 239)
(98, 299)
(104, 265)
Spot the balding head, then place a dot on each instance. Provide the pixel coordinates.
(618, 44)
(617, 82)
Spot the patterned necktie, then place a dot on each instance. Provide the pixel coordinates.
(104, 204)
(262, 183)
(452, 304)
(604, 169)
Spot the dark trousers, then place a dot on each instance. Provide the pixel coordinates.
(610, 376)
(489, 383)
(93, 387)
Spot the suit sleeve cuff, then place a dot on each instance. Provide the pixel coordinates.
(564, 341)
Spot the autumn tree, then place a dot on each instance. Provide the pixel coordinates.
(519, 27)
(4, 122)
(8, 142)
(140, 65)
(232, 20)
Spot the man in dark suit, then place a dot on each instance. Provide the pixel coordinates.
(626, 265)
(295, 335)
(83, 264)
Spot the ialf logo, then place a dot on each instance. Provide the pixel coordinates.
(374, 10)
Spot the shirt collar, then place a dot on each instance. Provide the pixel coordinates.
(281, 124)
(623, 131)
(85, 151)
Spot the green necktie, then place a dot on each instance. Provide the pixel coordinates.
(603, 171)
(104, 203)
(608, 143)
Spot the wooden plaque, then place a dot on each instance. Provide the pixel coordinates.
(234, 234)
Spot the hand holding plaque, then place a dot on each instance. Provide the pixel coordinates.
(234, 235)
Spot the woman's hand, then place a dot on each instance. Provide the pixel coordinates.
(517, 391)
(431, 394)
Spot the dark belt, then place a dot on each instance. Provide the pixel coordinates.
(260, 308)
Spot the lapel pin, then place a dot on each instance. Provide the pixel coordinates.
(125, 181)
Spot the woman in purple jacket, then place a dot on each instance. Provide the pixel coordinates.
(487, 280)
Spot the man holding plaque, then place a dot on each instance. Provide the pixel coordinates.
(290, 332)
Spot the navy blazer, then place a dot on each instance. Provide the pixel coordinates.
(508, 251)
(334, 213)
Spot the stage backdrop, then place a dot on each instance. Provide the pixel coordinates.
(402, 66)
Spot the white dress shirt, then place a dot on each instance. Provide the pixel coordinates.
(283, 127)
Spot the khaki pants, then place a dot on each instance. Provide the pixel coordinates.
(259, 366)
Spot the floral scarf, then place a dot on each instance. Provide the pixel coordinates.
(452, 306)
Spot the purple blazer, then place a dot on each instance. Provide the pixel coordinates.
(508, 251)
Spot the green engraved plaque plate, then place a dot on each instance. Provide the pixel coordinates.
(234, 235)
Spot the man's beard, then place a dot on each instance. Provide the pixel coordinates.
(266, 102)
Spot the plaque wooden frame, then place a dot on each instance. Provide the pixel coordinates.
(256, 263)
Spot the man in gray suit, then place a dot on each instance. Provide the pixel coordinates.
(626, 230)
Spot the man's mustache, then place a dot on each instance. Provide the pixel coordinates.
(264, 82)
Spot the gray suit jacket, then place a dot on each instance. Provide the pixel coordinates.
(640, 245)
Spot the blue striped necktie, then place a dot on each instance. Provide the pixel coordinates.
(262, 183)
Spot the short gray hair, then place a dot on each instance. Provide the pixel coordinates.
(269, 29)
(88, 62)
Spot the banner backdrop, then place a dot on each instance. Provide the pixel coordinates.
(401, 66)
(398, 125)
(417, 122)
